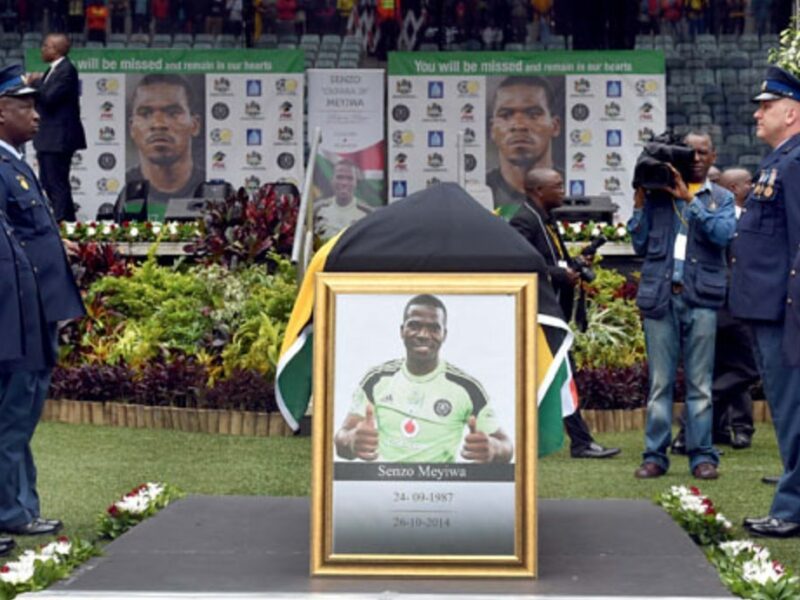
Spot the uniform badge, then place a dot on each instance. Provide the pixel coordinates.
(410, 428)
(23, 183)
(442, 407)
(759, 187)
(768, 191)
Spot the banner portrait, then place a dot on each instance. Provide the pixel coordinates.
(178, 118)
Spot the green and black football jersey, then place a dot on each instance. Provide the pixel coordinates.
(422, 418)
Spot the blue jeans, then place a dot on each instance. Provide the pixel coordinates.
(782, 389)
(690, 331)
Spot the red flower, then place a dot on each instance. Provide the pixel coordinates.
(63, 539)
(112, 510)
(710, 511)
(694, 491)
(4, 569)
(148, 225)
(777, 567)
(126, 224)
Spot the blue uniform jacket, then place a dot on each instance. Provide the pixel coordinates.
(711, 219)
(36, 231)
(766, 249)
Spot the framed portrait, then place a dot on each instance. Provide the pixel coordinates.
(424, 425)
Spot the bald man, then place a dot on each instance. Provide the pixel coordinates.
(739, 181)
(61, 132)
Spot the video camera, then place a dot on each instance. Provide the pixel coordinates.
(651, 171)
(586, 273)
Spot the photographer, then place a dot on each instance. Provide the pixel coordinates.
(544, 190)
(682, 231)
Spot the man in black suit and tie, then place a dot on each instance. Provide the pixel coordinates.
(61, 132)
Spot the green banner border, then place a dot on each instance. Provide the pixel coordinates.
(479, 64)
(138, 60)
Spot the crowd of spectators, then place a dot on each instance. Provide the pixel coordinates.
(485, 24)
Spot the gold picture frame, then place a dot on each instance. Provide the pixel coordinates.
(403, 496)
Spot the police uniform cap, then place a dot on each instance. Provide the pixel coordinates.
(12, 83)
(779, 84)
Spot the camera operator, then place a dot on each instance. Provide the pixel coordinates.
(544, 189)
(682, 231)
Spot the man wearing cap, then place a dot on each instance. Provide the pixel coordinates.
(764, 285)
(37, 291)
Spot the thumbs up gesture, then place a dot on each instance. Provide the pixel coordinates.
(477, 445)
(365, 437)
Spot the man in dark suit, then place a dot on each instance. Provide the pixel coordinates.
(61, 132)
(545, 191)
(764, 286)
(37, 291)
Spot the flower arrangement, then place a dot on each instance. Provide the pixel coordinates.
(747, 569)
(696, 514)
(37, 569)
(586, 232)
(134, 507)
(129, 231)
(787, 55)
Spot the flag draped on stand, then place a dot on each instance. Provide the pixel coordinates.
(440, 230)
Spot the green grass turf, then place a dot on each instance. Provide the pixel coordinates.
(83, 468)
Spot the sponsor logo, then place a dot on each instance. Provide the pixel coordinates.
(435, 160)
(613, 160)
(107, 111)
(401, 162)
(286, 111)
(468, 88)
(582, 86)
(403, 87)
(285, 134)
(402, 137)
(107, 185)
(285, 160)
(399, 189)
(253, 87)
(577, 187)
(470, 162)
(409, 427)
(442, 408)
(254, 159)
(645, 134)
(75, 183)
(400, 113)
(107, 161)
(469, 135)
(107, 134)
(578, 161)
(580, 112)
(252, 109)
(107, 85)
(434, 110)
(646, 112)
(218, 160)
(646, 87)
(222, 85)
(435, 139)
(286, 85)
(580, 136)
(254, 137)
(613, 137)
(614, 88)
(435, 89)
(468, 112)
(220, 111)
(252, 183)
(77, 160)
(612, 184)
(613, 110)
(221, 136)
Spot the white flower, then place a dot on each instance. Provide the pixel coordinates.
(69, 228)
(172, 228)
(133, 232)
(596, 231)
(90, 231)
(723, 521)
(576, 227)
(56, 549)
(561, 228)
(156, 228)
(759, 571)
(134, 504)
(106, 229)
(621, 231)
(18, 572)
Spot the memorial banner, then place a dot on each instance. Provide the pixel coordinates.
(424, 435)
(177, 118)
(346, 104)
(586, 114)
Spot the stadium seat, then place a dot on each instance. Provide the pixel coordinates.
(181, 45)
(738, 139)
(703, 77)
(749, 42)
(308, 39)
(10, 40)
(161, 40)
(287, 46)
(332, 39)
(737, 60)
(514, 47)
(183, 38)
(115, 45)
(706, 39)
(203, 46)
(204, 37)
(138, 40)
(118, 37)
(750, 161)
(695, 63)
(736, 99)
(715, 61)
(348, 62)
(728, 77)
(325, 63)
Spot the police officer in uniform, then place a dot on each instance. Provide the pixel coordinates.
(765, 289)
(38, 291)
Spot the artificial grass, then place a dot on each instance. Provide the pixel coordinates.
(83, 468)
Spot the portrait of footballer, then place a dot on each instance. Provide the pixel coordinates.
(435, 380)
